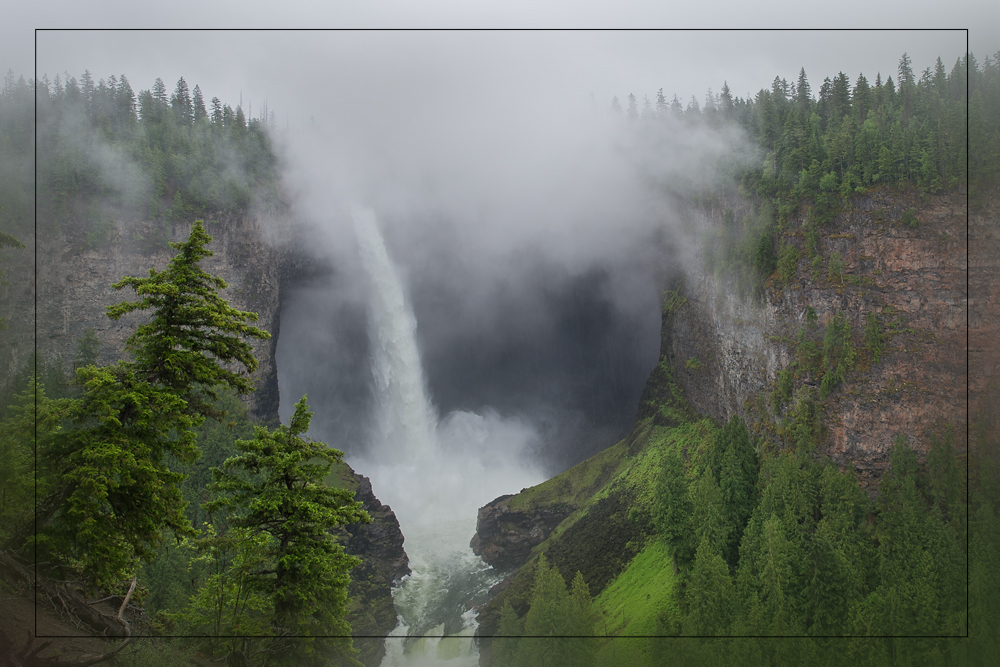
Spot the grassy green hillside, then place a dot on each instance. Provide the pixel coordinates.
(688, 530)
(610, 538)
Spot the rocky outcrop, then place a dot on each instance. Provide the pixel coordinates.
(727, 352)
(505, 537)
(384, 562)
(381, 540)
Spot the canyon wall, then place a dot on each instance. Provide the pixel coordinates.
(727, 353)
(65, 282)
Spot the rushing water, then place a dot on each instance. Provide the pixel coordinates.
(434, 473)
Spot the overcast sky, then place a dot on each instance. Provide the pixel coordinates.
(280, 66)
(264, 65)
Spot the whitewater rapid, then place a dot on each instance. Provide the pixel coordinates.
(434, 472)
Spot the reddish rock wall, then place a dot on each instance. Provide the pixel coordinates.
(914, 278)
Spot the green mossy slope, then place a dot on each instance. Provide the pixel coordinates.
(610, 537)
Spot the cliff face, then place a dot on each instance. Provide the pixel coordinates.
(505, 537)
(379, 545)
(72, 287)
(727, 353)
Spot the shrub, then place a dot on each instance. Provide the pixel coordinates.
(835, 268)
(783, 392)
(788, 263)
(874, 337)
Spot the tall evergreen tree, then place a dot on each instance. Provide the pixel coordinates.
(198, 102)
(275, 487)
(216, 111)
(114, 493)
(159, 91)
(710, 594)
(803, 92)
(673, 510)
(180, 102)
(633, 108)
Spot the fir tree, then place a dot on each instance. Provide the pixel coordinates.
(275, 487)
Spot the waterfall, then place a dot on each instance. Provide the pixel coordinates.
(435, 474)
(405, 418)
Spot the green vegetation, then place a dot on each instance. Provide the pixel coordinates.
(113, 494)
(556, 614)
(7, 241)
(278, 570)
(838, 354)
(874, 337)
(17, 145)
(788, 261)
(642, 597)
(819, 152)
(836, 268)
(113, 449)
(783, 392)
(754, 540)
(107, 153)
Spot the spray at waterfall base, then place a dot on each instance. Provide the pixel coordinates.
(434, 473)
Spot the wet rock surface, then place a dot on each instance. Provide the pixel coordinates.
(381, 540)
(505, 537)
(384, 562)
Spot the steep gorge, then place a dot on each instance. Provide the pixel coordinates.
(723, 356)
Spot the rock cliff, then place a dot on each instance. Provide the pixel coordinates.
(727, 353)
(505, 537)
(66, 291)
(379, 545)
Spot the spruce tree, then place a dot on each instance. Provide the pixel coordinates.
(275, 487)
(710, 594)
(198, 102)
(672, 511)
(193, 338)
(114, 493)
(181, 103)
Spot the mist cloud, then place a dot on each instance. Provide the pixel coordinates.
(532, 228)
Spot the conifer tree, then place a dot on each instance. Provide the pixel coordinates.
(710, 593)
(803, 92)
(708, 513)
(506, 645)
(672, 511)
(160, 91)
(275, 487)
(114, 494)
(198, 102)
(181, 103)
(193, 337)
(633, 108)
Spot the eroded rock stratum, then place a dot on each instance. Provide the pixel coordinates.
(913, 278)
